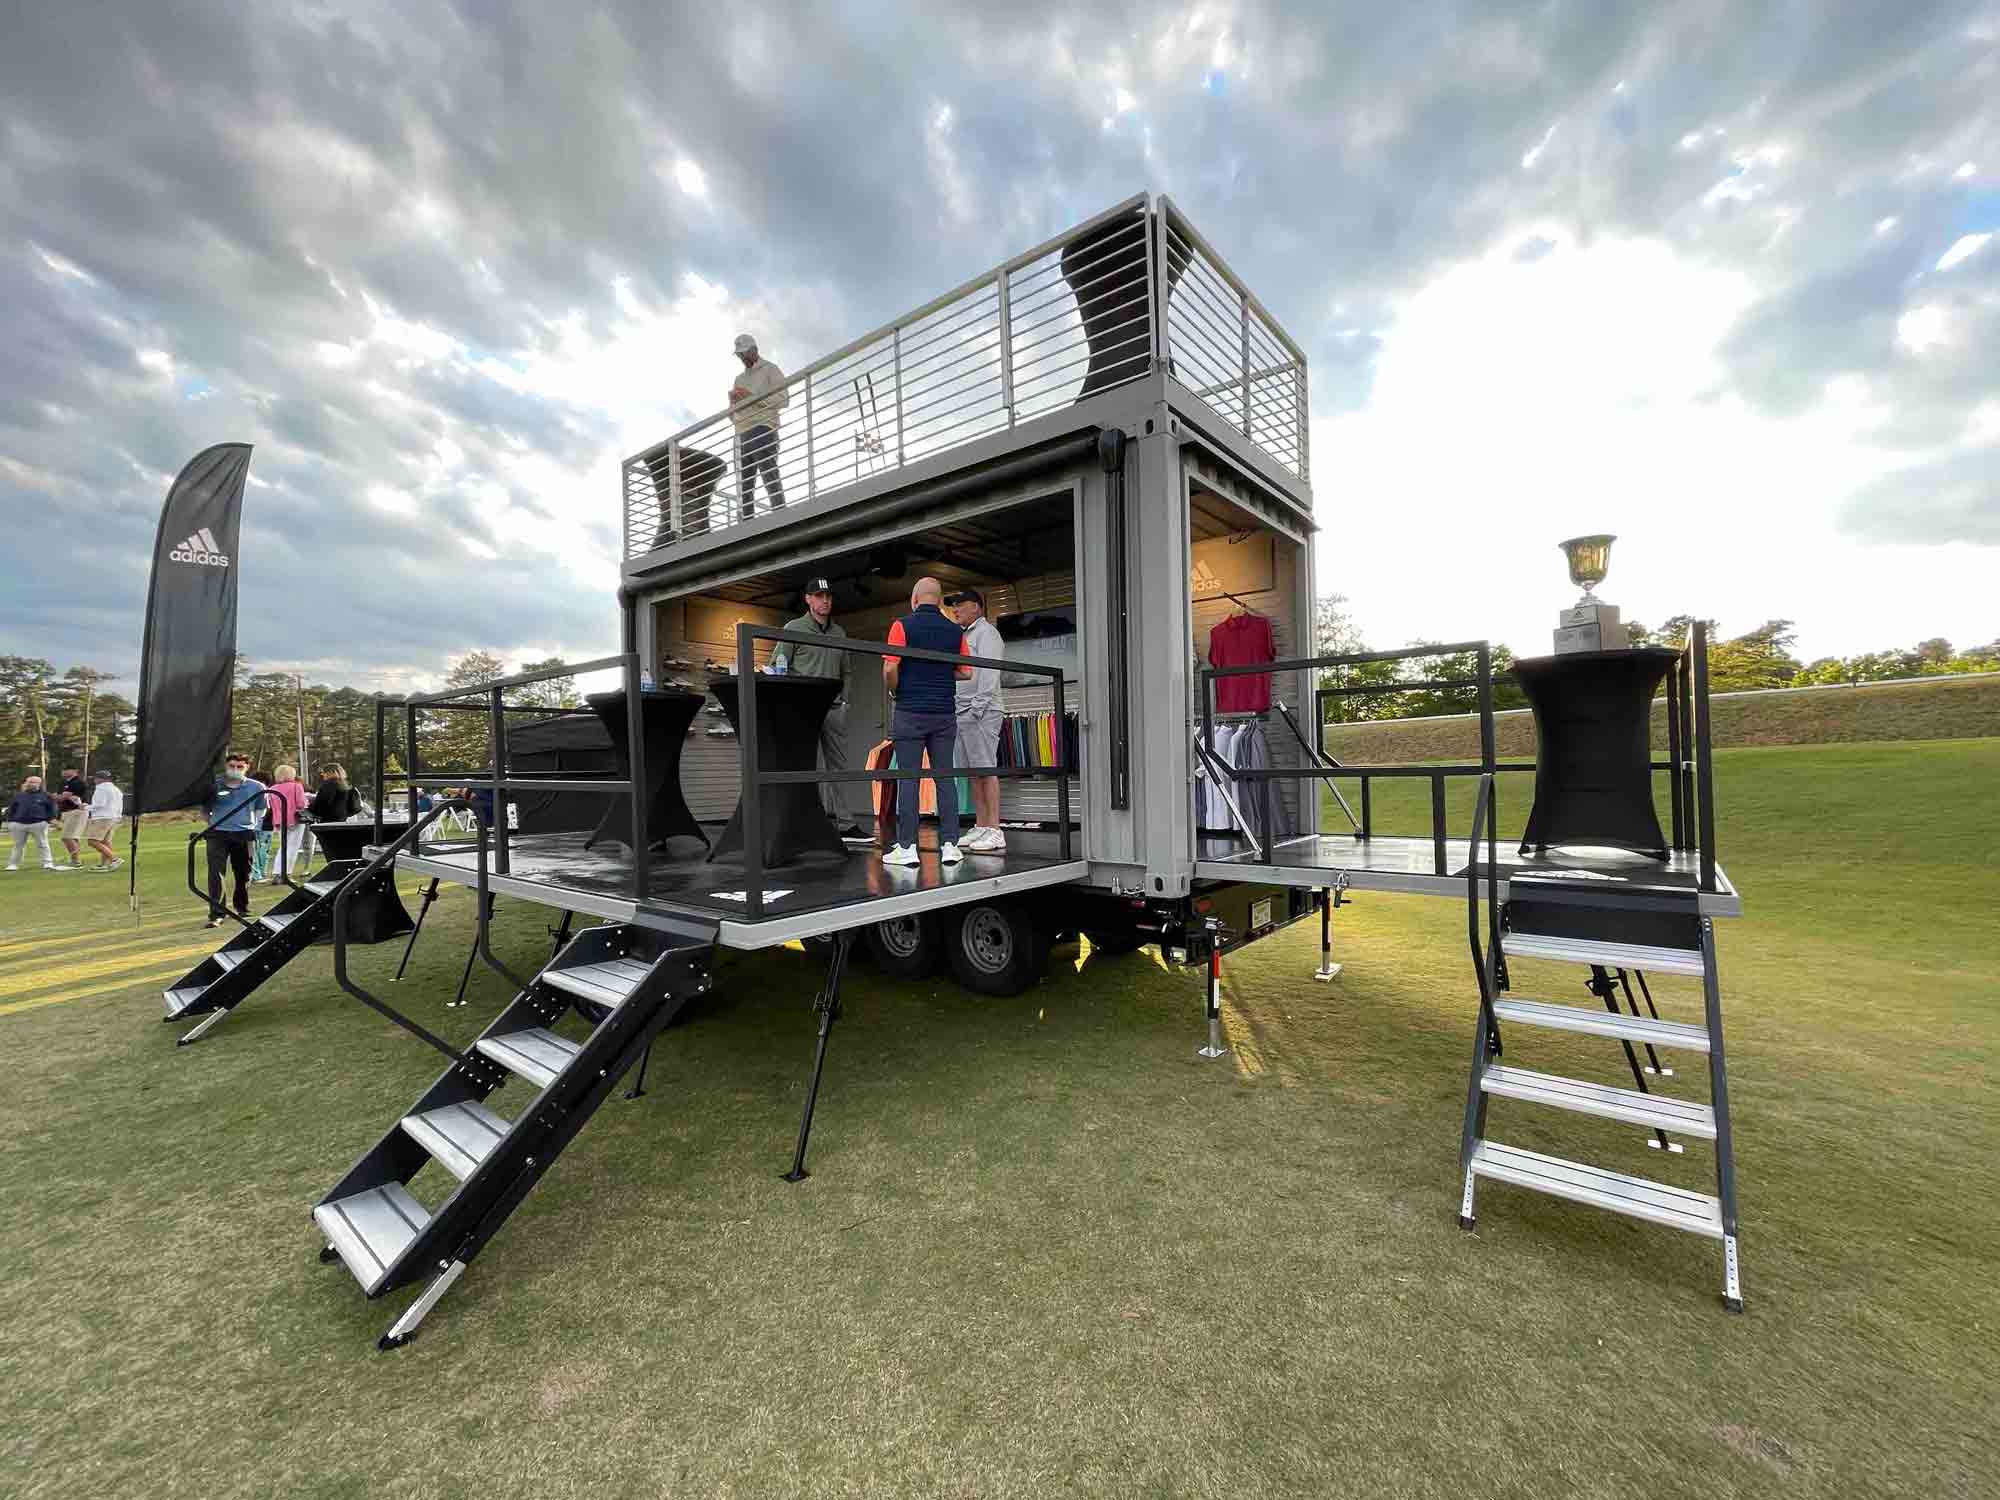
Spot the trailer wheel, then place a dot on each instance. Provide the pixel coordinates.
(997, 948)
(907, 947)
(1112, 944)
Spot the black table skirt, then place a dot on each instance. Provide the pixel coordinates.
(790, 709)
(1593, 756)
(665, 716)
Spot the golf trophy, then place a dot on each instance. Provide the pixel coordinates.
(1589, 624)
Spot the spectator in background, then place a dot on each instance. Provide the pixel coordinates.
(925, 721)
(260, 846)
(233, 825)
(335, 801)
(73, 806)
(107, 806)
(755, 400)
(288, 809)
(425, 802)
(29, 815)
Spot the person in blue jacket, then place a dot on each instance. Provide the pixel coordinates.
(30, 814)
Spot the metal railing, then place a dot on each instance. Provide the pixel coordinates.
(1053, 326)
(756, 778)
(1321, 770)
(1221, 343)
(494, 777)
(1690, 760)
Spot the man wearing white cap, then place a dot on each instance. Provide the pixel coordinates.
(755, 400)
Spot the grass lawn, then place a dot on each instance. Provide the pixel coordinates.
(1045, 1249)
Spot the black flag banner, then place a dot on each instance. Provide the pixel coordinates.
(188, 665)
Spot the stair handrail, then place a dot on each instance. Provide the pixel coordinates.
(1486, 963)
(347, 888)
(230, 811)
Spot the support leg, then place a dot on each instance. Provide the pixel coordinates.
(405, 1328)
(1475, 1114)
(430, 895)
(639, 1084)
(1654, 1067)
(1602, 985)
(827, 1003)
(561, 934)
(471, 954)
(1328, 970)
(1214, 1047)
(203, 1027)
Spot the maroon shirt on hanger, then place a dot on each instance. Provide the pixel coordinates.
(1242, 641)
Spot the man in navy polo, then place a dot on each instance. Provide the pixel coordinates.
(926, 718)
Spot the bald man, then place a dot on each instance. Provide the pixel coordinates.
(926, 718)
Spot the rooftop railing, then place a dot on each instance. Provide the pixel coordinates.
(1070, 318)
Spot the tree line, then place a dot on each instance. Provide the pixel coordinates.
(1760, 658)
(52, 720)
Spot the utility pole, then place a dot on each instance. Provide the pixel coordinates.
(86, 729)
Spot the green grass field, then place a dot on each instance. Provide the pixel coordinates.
(1045, 1249)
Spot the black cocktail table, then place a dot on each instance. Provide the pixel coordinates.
(789, 711)
(665, 714)
(1593, 754)
(347, 840)
(375, 913)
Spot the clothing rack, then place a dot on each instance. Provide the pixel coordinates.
(1225, 594)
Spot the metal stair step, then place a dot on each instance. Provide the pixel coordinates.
(1603, 1023)
(536, 1054)
(227, 959)
(370, 1229)
(321, 887)
(458, 1136)
(1610, 955)
(179, 1000)
(1654, 1111)
(1636, 1197)
(278, 921)
(606, 983)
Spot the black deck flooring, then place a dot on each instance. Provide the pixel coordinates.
(684, 880)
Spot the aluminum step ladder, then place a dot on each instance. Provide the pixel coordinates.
(1629, 933)
(260, 947)
(616, 987)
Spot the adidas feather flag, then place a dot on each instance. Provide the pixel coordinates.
(187, 669)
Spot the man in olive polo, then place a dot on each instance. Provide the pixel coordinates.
(838, 798)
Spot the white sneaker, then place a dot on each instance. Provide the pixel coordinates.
(13, 867)
(902, 854)
(949, 855)
(991, 841)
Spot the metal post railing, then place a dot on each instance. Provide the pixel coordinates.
(1704, 755)
(381, 761)
(751, 751)
(635, 738)
(896, 347)
(1006, 349)
(503, 861)
(676, 522)
(811, 475)
(1243, 304)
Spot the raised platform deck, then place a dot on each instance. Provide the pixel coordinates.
(814, 895)
(1410, 865)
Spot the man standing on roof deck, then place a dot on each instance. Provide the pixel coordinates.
(755, 400)
(979, 721)
(925, 719)
(823, 661)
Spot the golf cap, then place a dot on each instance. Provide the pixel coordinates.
(745, 343)
(964, 594)
(819, 586)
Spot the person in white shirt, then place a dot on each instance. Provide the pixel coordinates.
(107, 806)
(755, 400)
(978, 708)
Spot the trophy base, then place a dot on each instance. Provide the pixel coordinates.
(1590, 626)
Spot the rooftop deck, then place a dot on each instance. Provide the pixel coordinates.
(1133, 292)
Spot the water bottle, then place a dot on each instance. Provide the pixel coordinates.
(646, 679)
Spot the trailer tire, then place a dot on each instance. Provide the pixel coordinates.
(997, 947)
(1114, 944)
(907, 947)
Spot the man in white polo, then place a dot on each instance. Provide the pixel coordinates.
(979, 721)
(107, 806)
(755, 400)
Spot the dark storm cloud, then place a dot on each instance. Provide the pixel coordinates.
(239, 190)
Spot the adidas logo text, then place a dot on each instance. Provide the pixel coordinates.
(201, 548)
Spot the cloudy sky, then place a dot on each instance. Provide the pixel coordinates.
(1719, 276)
